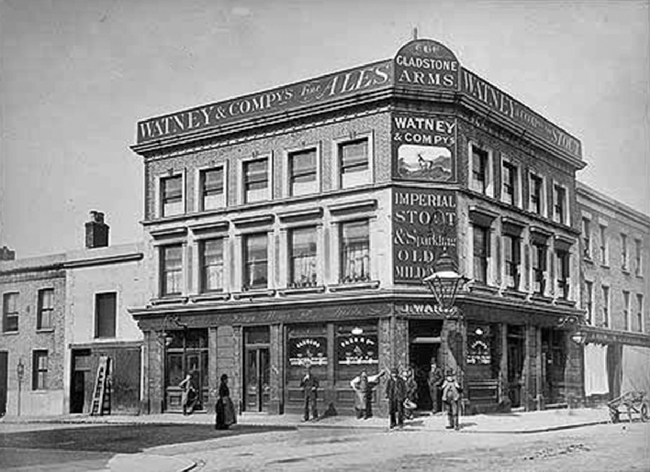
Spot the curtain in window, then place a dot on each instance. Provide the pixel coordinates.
(256, 262)
(172, 266)
(303, 257)
(355, 252)
(213, 264)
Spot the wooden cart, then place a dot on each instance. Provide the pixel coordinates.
(632, 402)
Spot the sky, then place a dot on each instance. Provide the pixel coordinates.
(77, 75)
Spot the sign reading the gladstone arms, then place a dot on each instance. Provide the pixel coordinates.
(424, 226)
(424, 63)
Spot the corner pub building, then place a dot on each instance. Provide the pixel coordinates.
(297, 224)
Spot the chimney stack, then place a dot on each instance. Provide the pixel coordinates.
(7, 254)
(96, 231)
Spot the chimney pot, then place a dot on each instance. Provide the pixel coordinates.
(7, 254)
(96, 230)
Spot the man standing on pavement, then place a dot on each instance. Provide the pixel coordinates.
(451, 390)
(309, 385)
(435, 382)
(396, 394)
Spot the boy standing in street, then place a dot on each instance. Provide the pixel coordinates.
(451, 390)
(309, 385)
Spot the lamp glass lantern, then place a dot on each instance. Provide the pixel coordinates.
(445, 282)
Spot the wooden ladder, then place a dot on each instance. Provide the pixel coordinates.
(101, 403)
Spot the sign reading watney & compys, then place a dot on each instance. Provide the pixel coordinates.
(424, 63)
(315, 91)
(424, 226)
(424, 146)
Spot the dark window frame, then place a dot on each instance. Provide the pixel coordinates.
(165, 269)
(312, 277)
(347, 246)
(45, 312)
(205, 264)
(170, 195)
(105, 321)
(248, 265)
(13, 315)
(353, 164)
(481, 255)
(254, 180)
(513, 265)
(480, 159)
(40, 369)
(536, 194)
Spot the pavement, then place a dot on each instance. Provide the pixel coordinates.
(503, 423)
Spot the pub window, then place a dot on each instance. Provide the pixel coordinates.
(105, 314)
(171, 270)
(638, 258)
(536, 194)
(302, 265)
(256, 180)
(10, 312)
(562, 264)
(39, 369)
(307, 344)
(45, 308)
(604, 249)
(255, 261)
(512, 250)
(481, 252)
(539, 251)
(624, 252)
(211, 183)
(626, 310)
(560, 204)
(302, 172)
(355, 251)
(211, 264)
(589, 301)
(171, 191)
(510, 184)
(480, 170)
(605, 321)
(357, 349)
(586, 238)
(639, 312)
(354, 162)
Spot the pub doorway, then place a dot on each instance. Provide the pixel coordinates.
(424, 345)
(257, 369)
(187, 353)
(516, 347)
(81, 385)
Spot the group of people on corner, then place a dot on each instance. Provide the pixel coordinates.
(224, 408)
(401, 392)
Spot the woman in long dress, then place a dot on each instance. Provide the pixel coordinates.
(225, 409)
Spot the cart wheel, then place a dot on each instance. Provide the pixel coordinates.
(613, 414)
(644, 413)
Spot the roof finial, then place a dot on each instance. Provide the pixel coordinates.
(415, 33)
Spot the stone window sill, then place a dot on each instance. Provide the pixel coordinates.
(209, 297)
(301, 290)
(253, 294)
(371, 284)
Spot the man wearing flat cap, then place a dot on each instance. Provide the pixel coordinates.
(396, 394)
(451, 391)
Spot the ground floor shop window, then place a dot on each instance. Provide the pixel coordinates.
(187, 353)
(357, 349)
(307, 345)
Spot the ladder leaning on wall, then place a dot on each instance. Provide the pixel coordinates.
(101, 403)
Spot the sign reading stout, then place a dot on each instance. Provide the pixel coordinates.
(424, 226)
(424, 147)
(424, 63)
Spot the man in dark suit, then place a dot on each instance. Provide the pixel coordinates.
(309, 385)
(435, 383)
(396, 394)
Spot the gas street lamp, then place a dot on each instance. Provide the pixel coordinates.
(444, 283)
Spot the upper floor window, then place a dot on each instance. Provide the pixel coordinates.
(302, 172)
(639, 312)
(539, 252)
(605, 306)
(604, 252)
(39, 370)
(355, 251)
(256, 261)
(10, 312)
(211, 264)
(354, 162)
(626, 310)
(171, 270)
(589, 301)
(481, 251)
(256, 180)
(536, 194)
(105, 314)
(512, 250)
(624, 265)
(586, 238)
(638, 258)
(563, 273)
(559, 204)
(171, 192)
(45, 308)
(480, 170)
(302, 265)
(211, 188)
(510, 183)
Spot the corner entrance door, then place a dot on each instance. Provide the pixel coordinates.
(257, 377)
(3, 383)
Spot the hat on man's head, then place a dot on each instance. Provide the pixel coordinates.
(450, 372)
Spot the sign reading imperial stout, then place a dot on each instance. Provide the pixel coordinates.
(424, 225)
(428, 64)
(424, 147)
(322, 89)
